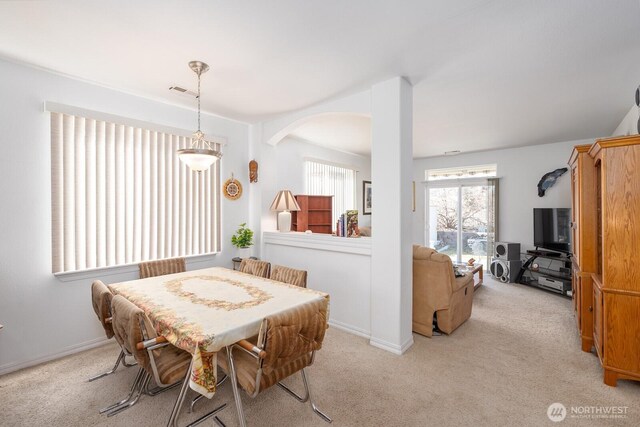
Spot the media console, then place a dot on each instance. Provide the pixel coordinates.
(550, 271)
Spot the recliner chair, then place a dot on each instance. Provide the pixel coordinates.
(437, 290)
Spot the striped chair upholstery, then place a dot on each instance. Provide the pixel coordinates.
(161, 267)
(171, 362)
(255, 267)
(101, 299)
(291, 337)
(289, 275)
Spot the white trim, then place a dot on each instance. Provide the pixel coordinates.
(55, 107)
(71, 276)
(72, 349)
(391, 347)
(350, 329)
(325, 242)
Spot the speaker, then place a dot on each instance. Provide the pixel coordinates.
(507, 251)
(505, 271)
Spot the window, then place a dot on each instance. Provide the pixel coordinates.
(323, 179)
(462, 207)
(120, 195)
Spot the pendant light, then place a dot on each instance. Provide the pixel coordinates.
(200, 155)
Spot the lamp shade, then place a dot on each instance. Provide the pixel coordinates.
(198, 159)
(285, 201)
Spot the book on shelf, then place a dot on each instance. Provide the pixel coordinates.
(351, 223)
(347, 224)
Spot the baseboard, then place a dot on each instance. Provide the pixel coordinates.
(391, 347)
(77, 348)
(350, 329)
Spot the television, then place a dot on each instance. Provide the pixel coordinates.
(552, 229)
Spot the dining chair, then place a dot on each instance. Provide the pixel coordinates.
(162, 267)
(157, 358)
(287, 344)
(101, 299)
(289, 275)
(255, 267)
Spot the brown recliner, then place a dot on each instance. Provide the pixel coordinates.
(437, 290)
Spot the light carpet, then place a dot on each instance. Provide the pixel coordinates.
(517, 354)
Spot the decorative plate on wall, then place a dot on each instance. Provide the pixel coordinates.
(232, 189)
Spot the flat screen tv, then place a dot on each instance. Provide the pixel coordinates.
(552, 229)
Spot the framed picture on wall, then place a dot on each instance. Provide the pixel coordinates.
(366, 197)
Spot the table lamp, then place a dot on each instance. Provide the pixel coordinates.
(284, 203)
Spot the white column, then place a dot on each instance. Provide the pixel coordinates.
(391, 176)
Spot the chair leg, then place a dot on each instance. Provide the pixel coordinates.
(219, 422)
(129, 404)
(157, 390)
(294, 394)
(321, 414)
(209, 415)
(199, 397)
(134, 386)
(118, 361)
(173, 418)
(234, 386)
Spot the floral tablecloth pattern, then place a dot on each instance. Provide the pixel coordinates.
(203, 311)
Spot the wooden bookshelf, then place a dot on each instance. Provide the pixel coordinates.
(315, 214)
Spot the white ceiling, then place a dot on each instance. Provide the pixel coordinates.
(345, 132)
(486, 74)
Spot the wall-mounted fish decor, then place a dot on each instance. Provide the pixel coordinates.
(548, 179)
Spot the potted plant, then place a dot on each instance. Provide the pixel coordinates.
(243, 238)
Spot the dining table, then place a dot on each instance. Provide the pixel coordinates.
(204, 311)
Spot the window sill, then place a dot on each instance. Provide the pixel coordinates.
(71, 276)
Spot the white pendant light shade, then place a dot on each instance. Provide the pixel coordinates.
(200, 155)
(198, 159)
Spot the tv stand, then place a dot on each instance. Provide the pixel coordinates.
(553, 271)
(542, 252)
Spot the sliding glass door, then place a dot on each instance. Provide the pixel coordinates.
(443, 220)
(461, 219)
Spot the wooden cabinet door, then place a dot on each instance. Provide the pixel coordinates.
(575, 213)
(578, 299)
(598, 320)
(575, 293)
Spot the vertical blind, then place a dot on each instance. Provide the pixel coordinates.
(120, 195)
(329, 180)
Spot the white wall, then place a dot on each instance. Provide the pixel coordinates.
(519, 170)
(285, 166)
(290, 155)
(338, 266)
(43, 316)
(628, 125)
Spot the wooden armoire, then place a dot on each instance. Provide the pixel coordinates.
(616, 282)
(584, 238)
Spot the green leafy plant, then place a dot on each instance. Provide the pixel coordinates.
(243, 237)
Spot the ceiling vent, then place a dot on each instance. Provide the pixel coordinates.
(183, 91)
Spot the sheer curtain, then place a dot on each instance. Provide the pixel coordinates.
(493, 186)
(120, 195)
(325, 179)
